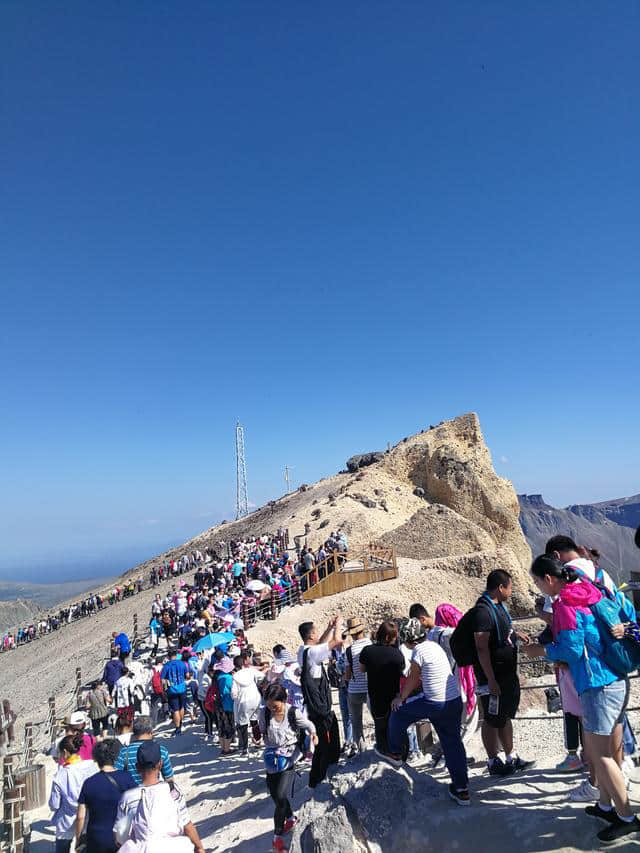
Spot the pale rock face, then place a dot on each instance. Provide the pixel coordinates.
(452, 464)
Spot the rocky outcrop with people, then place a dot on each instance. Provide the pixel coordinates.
(434, 495)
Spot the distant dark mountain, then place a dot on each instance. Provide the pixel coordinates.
(608, 526)
(624, 511)
(17, 612)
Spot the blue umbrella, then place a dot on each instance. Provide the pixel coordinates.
(211, 641)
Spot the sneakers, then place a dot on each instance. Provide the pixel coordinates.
(570, 764)
(289, 823)
(497, 767)
(414, 758)
(278, 845)
(619, 829)
(385, 756)
(460, 797)
(597, 811)
(349, 750)
(585, 793)
(519, 764)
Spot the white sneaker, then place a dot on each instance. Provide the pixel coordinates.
(585, 793)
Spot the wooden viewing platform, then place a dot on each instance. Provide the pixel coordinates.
(339, 572)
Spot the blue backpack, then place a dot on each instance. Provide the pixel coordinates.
(621, 656)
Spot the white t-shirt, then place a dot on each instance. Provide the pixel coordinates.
(318, 655)
(124, 692)
(439, 684)
(358, 680)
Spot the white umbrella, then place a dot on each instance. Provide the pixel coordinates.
(255, 586)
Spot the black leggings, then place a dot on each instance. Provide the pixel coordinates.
(243, 737)
(279, 786)
(572, 732)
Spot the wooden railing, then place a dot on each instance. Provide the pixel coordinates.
(342, 571)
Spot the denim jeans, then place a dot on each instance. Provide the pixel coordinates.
(356, 705)
(63, 845)
(413, 739)
(445, 719)
(347, 728)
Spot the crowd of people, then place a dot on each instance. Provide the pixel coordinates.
(274, 580)
(89, 606)
(443, 668)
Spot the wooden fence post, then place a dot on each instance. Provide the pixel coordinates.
(52, 717)
(245, 615)
(78, 682)
(13, 816)
(7, 772)
(135, 630)
(9, 719)
(29, 751)
(274, 604)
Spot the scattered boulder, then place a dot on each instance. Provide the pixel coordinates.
(354, 814)
(361, 460)
(418, 492)
(316, 513)
(364, 500)
(303, 488)
(323, 524)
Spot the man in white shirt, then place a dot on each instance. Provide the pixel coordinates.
(170, 818)
(440, 703)
(312, 657)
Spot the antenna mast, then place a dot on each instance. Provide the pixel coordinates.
(287, 477)
(242, 499)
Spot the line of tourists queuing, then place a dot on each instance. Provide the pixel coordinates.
(95, 602)
(263, 565)
(408, 670)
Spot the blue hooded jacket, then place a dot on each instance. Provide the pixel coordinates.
(576, 640)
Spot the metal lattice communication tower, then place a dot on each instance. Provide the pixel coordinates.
(242, 497)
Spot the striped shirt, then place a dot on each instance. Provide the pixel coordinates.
(127, 761)
(358, 680)
(439, 684)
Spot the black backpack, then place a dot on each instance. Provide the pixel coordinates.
(293, 725)
(462, 642)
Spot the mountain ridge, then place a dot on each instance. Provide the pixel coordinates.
(599, 525)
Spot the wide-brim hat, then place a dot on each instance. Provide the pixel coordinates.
(354, 626)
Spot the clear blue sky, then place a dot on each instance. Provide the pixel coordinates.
(339, 222)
